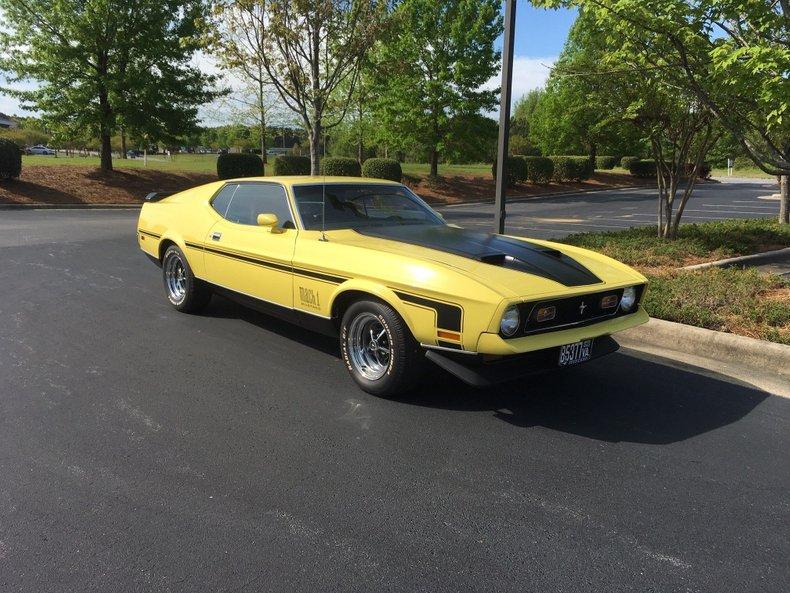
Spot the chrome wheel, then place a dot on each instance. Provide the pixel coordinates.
(175, 279)
(369, 346)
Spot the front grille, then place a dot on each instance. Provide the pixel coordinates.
(572, 311)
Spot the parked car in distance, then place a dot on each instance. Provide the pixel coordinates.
(133, 154)
(41, 150)
(368, 261)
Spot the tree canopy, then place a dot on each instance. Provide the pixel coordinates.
(101, 64)
(433, 70)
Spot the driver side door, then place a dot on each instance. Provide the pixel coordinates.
(245, 257)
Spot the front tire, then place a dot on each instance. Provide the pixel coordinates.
(378, 349)
(185, 292)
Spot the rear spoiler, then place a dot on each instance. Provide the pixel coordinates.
(156, 196)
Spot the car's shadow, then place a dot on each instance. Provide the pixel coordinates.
(618, 398)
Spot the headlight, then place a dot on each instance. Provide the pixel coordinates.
(510, 321)
(628, 300)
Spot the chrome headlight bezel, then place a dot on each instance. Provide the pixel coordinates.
(628, 301)
(510, 321)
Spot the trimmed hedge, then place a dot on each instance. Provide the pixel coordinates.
(382, 169)
(626, 161)
(10, 159)
(288, 164)
(516, 170)
(605, 163)
(540, 169)
(642, 168)
(571, 168)
(341, 166)
(232, 165)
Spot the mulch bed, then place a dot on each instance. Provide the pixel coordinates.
(72, 184)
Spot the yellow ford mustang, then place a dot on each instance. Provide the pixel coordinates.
(370, 262)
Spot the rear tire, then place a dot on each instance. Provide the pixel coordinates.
(378, 349)
(185, 292)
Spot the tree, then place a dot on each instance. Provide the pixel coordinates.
(733, 56)
(432, 71)
(101, 63)
(589, 95)
(523, 110)
(308, 49)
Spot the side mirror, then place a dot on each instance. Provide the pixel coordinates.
(267, 219)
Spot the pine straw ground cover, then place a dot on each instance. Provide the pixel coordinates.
(72, 184)
(745, 302)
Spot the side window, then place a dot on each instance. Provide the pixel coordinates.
(252, 199)
(222, 200)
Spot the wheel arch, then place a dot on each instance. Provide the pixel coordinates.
(354, 290)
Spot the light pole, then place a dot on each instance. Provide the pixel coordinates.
(504, 115)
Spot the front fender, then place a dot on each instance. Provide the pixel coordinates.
(387, 295)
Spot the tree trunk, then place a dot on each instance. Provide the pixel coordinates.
(315, 145)
(262, 109)
(592, 153)
(106, 128)
(360, 145)
(434, 162)
(784, 199)
(123, 143)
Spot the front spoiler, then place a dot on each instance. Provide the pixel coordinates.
(476, 371)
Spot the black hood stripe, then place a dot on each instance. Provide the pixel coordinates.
(488, 248)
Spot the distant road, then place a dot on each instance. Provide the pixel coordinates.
(611, 210)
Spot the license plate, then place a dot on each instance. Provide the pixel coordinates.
(575, 353)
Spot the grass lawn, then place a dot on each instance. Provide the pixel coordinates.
(195, 163)
(207, 163)
(744, 302)
(748, 172)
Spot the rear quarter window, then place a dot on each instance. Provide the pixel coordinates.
(222, 200)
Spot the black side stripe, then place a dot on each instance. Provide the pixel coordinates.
(447, 316)
(149, 233)
(270, 264)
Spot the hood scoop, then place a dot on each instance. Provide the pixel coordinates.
(496, 250)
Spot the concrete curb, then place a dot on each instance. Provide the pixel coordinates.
(70, 206)
(765, 257)
(763, 364)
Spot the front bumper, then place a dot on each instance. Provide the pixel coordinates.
(479, 370)
(490, 343)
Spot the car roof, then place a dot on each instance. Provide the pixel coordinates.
(291, 180)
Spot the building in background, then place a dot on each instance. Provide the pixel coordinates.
(6, 121)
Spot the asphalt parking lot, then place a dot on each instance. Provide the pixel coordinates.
(146, 450)
(614, 210)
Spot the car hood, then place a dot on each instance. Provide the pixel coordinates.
(510, 265)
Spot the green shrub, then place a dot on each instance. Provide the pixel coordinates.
(288, 164)
(540, 169)
(626, 161)
(340, 166)
(702, 173)
(520, 146)
(571, 168)
(382, 169)
(232, 165)
(643, 168)
(743, 162)
(10, 159)
(515, 170)
(605, 163)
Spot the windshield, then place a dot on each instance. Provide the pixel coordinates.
(352, 206)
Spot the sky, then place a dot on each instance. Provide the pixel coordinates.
(540, 35)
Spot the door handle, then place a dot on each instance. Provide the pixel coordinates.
(216, 236)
